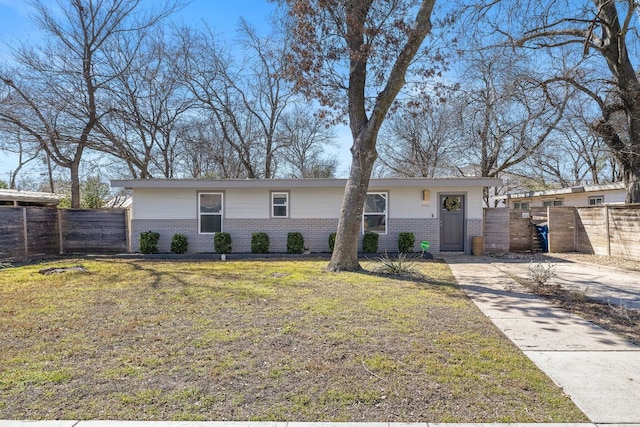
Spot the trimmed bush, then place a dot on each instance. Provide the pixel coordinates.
(259, 243)
(179, 244)
(222, 243)
(332, 241)
(149, 242)
(295, 243)
(405, 242)
(370, 243)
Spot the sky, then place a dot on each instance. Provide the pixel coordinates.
(222, 15)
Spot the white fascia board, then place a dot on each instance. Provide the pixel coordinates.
(302, 183)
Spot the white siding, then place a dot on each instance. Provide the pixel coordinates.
(408, 203)
(312, 203)
(247, 203)
(164, 203)
(316, 202)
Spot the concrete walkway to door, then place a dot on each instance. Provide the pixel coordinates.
(597, 369)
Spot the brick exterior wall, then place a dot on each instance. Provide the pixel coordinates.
(315, 232)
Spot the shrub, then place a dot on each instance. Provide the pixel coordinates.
(540, 274)
(370, 243)
(222, 243)
(149, 242)
(295, 243)
(332, 241)
(403, 265)
(179, 244)
(259, 243)
(405, 242)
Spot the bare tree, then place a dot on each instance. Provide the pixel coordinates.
(60, 82)
(418, 139)
(205, 154)
(246, 95)
(575, 155)
(145, 104)
(304, 139)
(356, 53)
(509, 112)
(12, 141)
(600, 37)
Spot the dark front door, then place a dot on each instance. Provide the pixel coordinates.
(451, 222)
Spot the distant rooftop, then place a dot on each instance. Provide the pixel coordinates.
(566, 190)
(28, 198)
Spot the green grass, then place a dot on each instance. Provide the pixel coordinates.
(258, 340)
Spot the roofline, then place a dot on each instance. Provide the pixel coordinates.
(29, 196)
(567, 190)
(303, 183)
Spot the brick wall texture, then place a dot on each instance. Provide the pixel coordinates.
(315, 232)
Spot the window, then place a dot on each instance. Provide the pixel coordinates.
(521, 205)
(280, 205)
(210, 212)
(596, 200)
(557, 202)
(374, 216)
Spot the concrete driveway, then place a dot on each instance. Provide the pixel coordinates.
(614, 286)
(599, 370)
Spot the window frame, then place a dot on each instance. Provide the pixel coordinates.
(286, 205)
(595, 200)
(519, 206)
(385, 194)
(552, 203)
(201, 214)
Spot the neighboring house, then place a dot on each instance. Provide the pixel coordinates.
(446, 212)
(119, 202)
(28, 198)
(587, 195)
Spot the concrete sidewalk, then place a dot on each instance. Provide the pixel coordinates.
(71, 423)
(597, 369)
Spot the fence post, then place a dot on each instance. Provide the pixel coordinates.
(25, 234)
(606, 214)
(127, 225)
(60, 232)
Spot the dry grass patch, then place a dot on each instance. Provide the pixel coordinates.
(257, 340)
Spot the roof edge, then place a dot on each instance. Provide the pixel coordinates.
(303, 183)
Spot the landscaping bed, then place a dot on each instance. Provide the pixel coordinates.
(257, 340)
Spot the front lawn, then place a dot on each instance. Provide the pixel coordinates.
(257, 340)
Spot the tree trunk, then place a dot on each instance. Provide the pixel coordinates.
(632, 184)
(74, 168)
(345, 251)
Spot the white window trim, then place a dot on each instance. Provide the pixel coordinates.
(549, 203)
(221, 214)
(385, 213)
(595, 198)
(286, 205)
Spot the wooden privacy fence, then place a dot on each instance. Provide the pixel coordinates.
(612, 230)
(28, 232)
(508, 230)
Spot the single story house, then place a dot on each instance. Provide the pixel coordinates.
(445, 212)
(28, 198)
(586, 195)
